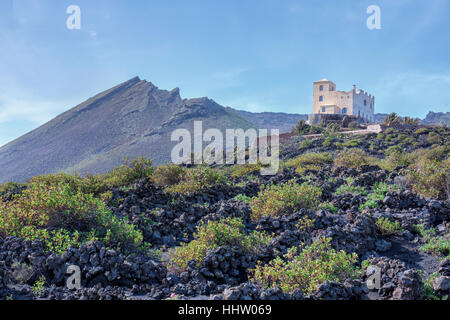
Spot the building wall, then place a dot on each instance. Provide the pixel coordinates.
(363, 105)
(336, 102)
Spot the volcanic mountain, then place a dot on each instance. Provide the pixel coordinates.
(132, 119)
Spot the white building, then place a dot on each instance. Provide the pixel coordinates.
(327, 100)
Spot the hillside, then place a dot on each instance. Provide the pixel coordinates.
(341, 212)
(273, 120)
(132, 119)
(437, 118)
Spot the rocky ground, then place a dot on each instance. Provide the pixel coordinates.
(168, 220)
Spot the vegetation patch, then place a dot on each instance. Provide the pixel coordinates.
(351, 158)
(349, 187)
(62, 216)
(227, 231)
(284, 199)
(304, 270)
(387, 227)
(309, 162)
(379, 191)
(197, 178)
(168, 175)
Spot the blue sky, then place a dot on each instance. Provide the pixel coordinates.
(252, 55)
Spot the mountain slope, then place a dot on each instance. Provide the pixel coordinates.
(273, 120)
(132, 119)
(437, 118)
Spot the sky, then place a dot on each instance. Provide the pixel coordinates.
(254, 55)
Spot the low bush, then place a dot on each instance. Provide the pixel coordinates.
(238, 170)
(61, 216)
(351, 158)
(349, 187)
(284, 199)
(351, 144)
(328, 206)
(128, 173)
(302, 128)
(379, 191)
(227, 231)
(305, 270)
(387, 227)
(168, 175)
(197, 178)
(244, 198)
(309, 162)
(397, 157)
(305, 144)
(439, 245)
(430, 178)
(434, 138)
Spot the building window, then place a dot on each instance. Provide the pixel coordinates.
(321, 98)
(365, 102)
(344, 110)
(331, 88)
(323, 109)
(321, 88)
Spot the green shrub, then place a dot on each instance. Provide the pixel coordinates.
(128, 173)
(396, 157)
(302, 128)
(305, 144)
(60, 216)
(306, 270)
(284, 199)
(38, 287)
(244, 169)
(348, 187)
(379, 191)
(309, 162)
(328, 141)
(197, 178)
(244, 198)
(168, 175)
(328, 206)
(351, 144)
(439, 245)
(10, 188)
(124, 175)
(428, 290)
(434, 138)
(422, 131)
(352, 158)
(430, 178)
(228, 231)
(387, 227)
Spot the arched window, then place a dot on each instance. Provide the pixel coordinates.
(323, 109)
(321, 98)
(344, 110)
(321, 88)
